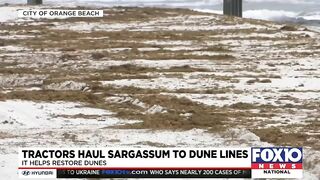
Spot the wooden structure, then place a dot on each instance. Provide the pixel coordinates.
(232, 7)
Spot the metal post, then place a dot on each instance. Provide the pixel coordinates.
(232, 7)
(34, 2)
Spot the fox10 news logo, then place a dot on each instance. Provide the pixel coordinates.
(277, 162)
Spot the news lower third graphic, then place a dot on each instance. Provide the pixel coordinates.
(58, 13)
(275, 162)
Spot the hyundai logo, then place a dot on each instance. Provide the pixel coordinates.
(26, 173)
